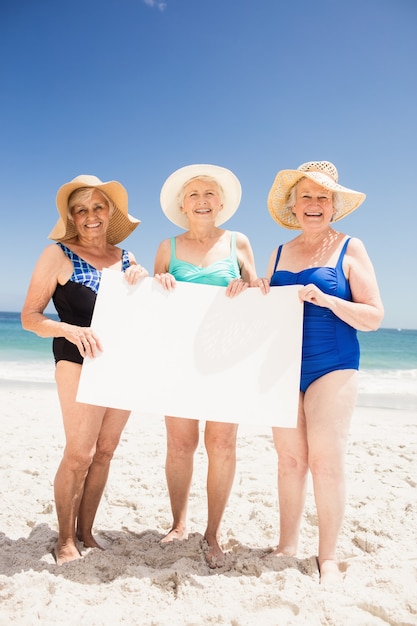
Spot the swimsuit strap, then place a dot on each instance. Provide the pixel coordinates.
(342, 253)
(173, 248)
(278, 256)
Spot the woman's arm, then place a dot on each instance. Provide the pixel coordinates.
(366, 311)
(161, 265)
(52, 268)
(43, 283)
(263, 283)
(245, 258)
(246, 263)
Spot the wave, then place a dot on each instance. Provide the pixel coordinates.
(389, 389)
(388, 381)
(31, 371)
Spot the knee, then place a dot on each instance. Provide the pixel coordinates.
(221, 446)
(181, 446)
(105, 451)
(326, 470)
(292, 465)
(79, 460)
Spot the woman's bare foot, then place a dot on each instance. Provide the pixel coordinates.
(65, 553)
(215, 557)
(281, 552)
(330, 573)
(89, 541)
(175, 534)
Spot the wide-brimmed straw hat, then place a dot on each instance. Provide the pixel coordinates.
(323, 173)
(174, 183)
(121, 223)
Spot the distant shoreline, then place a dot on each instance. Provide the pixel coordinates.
(55, 316)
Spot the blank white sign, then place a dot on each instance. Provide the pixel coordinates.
(195, 353)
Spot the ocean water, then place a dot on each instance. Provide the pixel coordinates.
(388, 370)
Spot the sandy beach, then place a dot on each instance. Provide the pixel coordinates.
(137, 581)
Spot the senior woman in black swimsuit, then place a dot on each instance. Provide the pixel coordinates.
(93, 219)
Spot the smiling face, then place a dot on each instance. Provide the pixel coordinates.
(202, 200)
(90, 211)
(313, 204)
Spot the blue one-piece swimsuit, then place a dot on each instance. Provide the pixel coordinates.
(328, 343)
(74, 301)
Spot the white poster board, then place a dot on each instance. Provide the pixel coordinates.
(195, 353)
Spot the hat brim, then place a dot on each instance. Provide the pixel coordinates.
(286, 179)
(121, 224)
(174, 183)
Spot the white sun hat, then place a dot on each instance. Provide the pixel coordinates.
(174, 184)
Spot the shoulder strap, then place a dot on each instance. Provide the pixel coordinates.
(69, 253)
(343, 252)
(173, 248)
(125, 260)
(277, 259)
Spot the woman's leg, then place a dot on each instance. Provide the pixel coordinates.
(82, 423)
(182, 441)
(291, 447)
(112, 427)
(220, 441)
(328, 405)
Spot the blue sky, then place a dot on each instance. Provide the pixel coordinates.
(133, 89)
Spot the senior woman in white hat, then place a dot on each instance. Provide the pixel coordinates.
(199, 198)
(339, 288)
(93, 218)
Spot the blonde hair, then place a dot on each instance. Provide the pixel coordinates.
(85, 193)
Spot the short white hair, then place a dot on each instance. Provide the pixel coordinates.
(204, 178)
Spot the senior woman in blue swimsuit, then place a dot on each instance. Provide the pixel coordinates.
(199, 198)
(339, 288)
(93, 219)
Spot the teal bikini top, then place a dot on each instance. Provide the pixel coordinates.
(219, 273)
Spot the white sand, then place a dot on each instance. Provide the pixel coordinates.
(136, 581)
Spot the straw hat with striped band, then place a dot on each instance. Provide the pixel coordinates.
(121, 224)
(323, 173)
